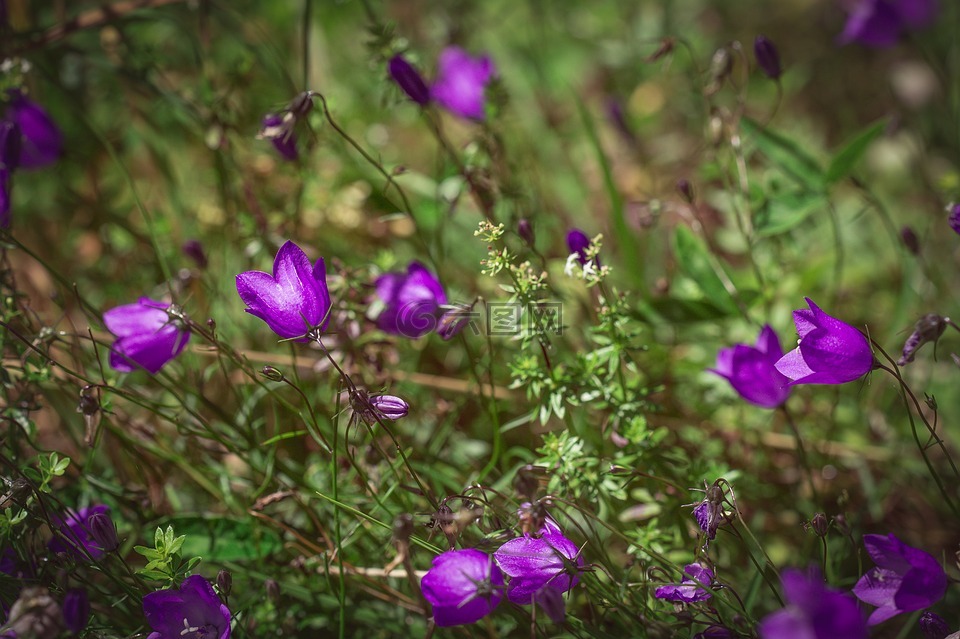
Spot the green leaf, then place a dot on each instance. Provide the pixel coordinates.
(786, 155)
(695, 261)
(847, 157)
(784, 211)
(224, 539)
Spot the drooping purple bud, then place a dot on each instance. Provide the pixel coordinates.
(910, 240)
(409, 80)
(194, 250)
(390, 406)
(103, 532)
(954, 218)
(10, 142)
(525, 230)
(934, 626)
(76, 610)
(768, 59)
(928, 328)
(455, 320)
(225, 582)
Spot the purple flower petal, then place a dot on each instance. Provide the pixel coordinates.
(42, 142)
(147, 336)
(462, 586)
(461, 82)
(752, 371)
(412, 301)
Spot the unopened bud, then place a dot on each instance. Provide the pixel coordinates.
(271, 373)
(408, 79)
(76, 610)
(910, 240)
(768, 59)
(194, 250)
(819, 524)
(934, 626)
(525, 230)
(389, 406)
(685, 189)
(454, 320)
(273, 590)
(225, 582)
(928, 328)
(103, 532)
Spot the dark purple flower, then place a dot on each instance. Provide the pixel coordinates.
(954, 219)
(904, 579)
(194, 250)
(412, 301)
(578, 242)
(549, 561)
(813, 611)
(880, 23)
(752, 370)
(41, 142)
(278, 128)
(147, 336)
(292, 301)
(76, 610)
(389, 406)
(73, 534)
(409, 80)
(463, 586)
(828, 352)
(691, 589)
(934, 626)
(715, 632)
(193, 612)
(103, 532)
(461, 82)
(768, 59)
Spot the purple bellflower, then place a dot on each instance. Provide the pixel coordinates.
(461, 82)
(880, 23)
(294, 300)
(752, 371)
(463, 586)
(193, 612)
(904, 579)
(408, 79)
(538, 565)
(74, 535)
(813, 611)
(147, 336)
(829, 351)
(412, 300)
(41, 142)
(691, 589)
(578, 242)
(278, 128)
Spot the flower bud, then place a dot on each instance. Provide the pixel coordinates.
(389, 406)
(225, 582)
(525, 230)
(928, 328)
(819, 524)
(409, 80)
(934, 626)
(271, 373)
(194, 250)
(910, 240)
(685, 189)
(103, 532)
(76, 610)
(273, 590)
(455, 320)
(767, 57)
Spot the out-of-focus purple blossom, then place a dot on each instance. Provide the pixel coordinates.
(880, 23)
(768, 59)
(73, 534)
(147, 336)
(41, 142)
(279, 129)
(549, 561)
(463, 586)
(192, 611)
(461, 82)
(752, 370)
(813, 611)
(910, 240)
(76, 610)
(904, 579)
(578, 242)
(525, 230)
(708, 515)
(954, 219)
(194, 250)
(934, 626)
(454, 320)
(412, 301)
(829, 351)
(294, 300)
(389, 406)
(691, 589)
(715, 632)
(409, 79)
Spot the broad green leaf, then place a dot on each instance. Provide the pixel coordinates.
(785, 154)
(695, 261)
(847, 157)
(223, 539)
(784, 211)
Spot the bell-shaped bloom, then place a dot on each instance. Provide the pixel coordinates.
(904, 579)
(880, 23)
(768, 58)
(74, 534)
(752, 370)
(578, 242)
(412, 301)
(813, 611)
(147, 337)
(278, 128)
(463, 586)
(691, 589)
(294, 300)
(41, 142)
(192, 611)
(539, 564)
(829, 351)
(461, 82)
(409, 79)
